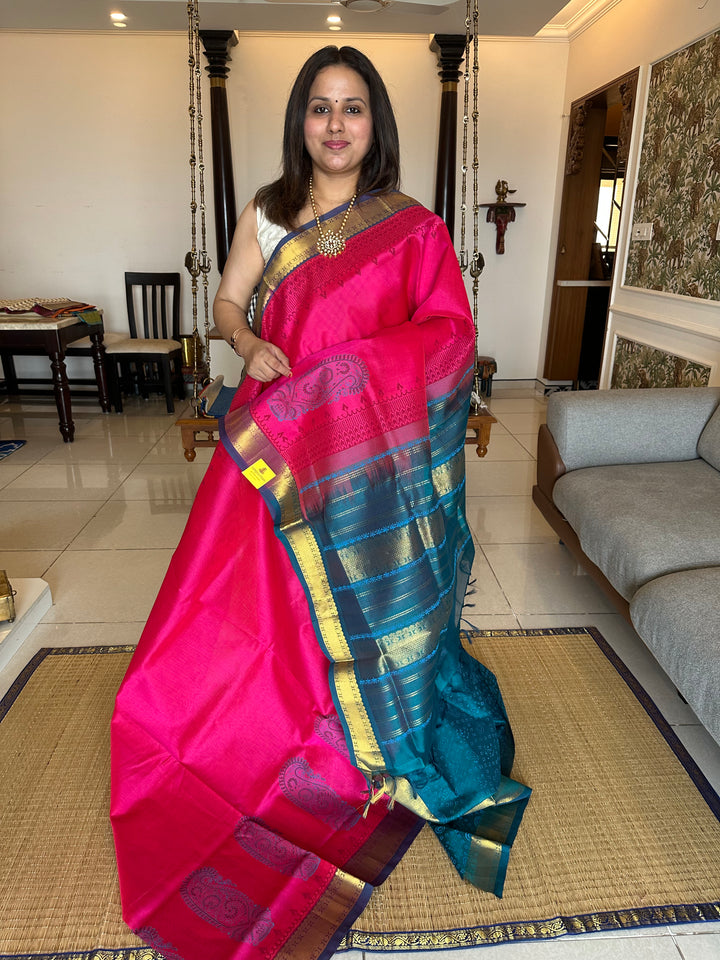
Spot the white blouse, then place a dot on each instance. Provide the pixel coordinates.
(269, 234)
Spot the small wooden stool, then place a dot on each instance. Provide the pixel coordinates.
(487, 367)
(191, 427)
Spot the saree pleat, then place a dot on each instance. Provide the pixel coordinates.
(299, 702)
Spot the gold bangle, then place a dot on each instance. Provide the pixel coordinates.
(234, 335)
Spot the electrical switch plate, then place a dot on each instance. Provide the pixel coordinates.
(642, 231)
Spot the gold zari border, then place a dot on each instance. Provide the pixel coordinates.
(252, 445)
(322, 923)
(368, 756)
(301, 246)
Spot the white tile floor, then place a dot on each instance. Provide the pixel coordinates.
(99, 518)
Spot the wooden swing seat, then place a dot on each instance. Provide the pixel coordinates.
(203, 432)
(479, 425)
(191, 431)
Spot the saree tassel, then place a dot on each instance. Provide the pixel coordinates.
(375, 791)
(389, 790)
(469, 592)
(381, 785)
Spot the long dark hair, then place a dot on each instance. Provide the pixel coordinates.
(283, 199)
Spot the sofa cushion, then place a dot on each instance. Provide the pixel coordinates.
(678, 617)
(709, 442)
(594, 428)
(640, 521)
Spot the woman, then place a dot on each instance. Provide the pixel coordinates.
(299, 703)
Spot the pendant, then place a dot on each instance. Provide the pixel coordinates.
(330, 244)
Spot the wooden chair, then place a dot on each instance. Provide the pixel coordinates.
(83, 348)
(151, 357)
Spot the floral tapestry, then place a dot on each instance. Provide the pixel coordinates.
(638, 365)
(678, 188)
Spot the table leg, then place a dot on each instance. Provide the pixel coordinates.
(97, 348)
(62, 395)
(8, 364)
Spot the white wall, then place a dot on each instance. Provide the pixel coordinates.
(521, 132)
(97, 180)
(638, 33)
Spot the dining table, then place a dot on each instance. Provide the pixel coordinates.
(28, 333)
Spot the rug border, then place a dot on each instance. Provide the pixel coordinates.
(460, 937)
(19, 683)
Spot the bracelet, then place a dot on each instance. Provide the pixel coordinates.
(234, 335)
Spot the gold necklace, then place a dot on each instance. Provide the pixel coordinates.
(329, 243)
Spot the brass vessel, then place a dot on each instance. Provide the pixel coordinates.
(7, 599)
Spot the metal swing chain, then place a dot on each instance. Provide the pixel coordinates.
(463, 257)
(197, 263)
(477, 262)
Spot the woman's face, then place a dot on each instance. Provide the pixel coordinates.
(338, 124)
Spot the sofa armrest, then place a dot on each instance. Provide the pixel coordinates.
(601, 427)
(550, 466)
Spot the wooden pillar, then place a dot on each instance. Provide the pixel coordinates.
(216, 44)
(450, 50)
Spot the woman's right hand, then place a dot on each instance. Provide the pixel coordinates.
(263, 360)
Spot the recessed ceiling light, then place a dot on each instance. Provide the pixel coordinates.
(119, 23)
(116, 16)
(334, 26)
(334, 19)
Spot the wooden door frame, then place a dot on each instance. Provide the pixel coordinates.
(576, 231)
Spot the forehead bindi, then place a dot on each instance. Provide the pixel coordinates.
(319, 99)
(339, 85)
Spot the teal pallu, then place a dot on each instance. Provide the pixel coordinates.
(359, 457)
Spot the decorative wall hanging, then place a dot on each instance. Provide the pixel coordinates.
(576, 139)
(627, 99)
(678, 188)
(501, 213)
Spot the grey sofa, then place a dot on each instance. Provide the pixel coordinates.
(630, 481)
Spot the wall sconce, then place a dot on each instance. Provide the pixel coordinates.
(501, 213)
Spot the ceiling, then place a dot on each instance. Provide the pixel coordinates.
(508, 18)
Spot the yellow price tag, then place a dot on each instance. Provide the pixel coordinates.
(258, 473)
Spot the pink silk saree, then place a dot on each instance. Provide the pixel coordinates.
(299, 705)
